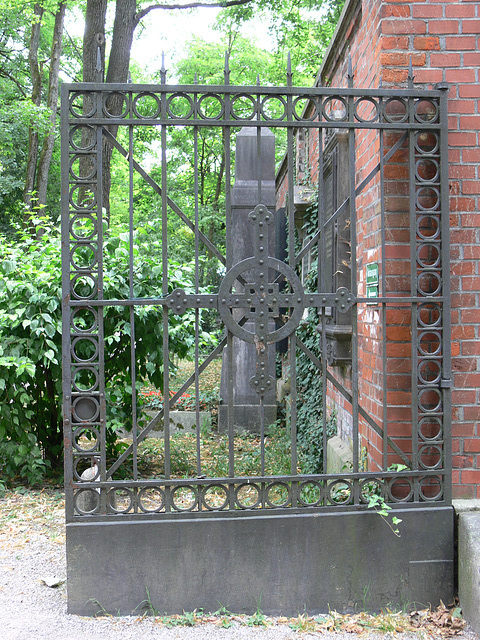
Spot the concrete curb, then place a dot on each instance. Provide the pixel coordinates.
(468, 512)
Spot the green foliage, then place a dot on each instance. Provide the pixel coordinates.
(30, 344)
(311, 422)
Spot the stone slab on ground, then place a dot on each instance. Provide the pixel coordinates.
(180, 422)
(469, 561)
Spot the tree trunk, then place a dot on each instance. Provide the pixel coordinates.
(36, 99)
(119, 62)
(52, 104)
(118, 65)
(94, 40)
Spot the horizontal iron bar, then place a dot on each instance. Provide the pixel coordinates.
(109, 518)
(299, 479)
(303, 92)
(284, 124)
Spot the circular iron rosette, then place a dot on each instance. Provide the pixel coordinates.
(263, 298)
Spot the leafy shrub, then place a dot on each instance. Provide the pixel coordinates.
(31, 437)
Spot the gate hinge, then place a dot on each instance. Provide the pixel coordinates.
(446, 384)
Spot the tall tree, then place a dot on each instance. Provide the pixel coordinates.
(40, 152)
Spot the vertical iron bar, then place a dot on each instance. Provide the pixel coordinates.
(197, 288)
(259, 201)
(100, 313)
(413, 293)
(291, 259)
(66, 318)
(322, 286)
(353, 240)
(131, 306)
(166, 369)
(383, 293)
(445, 256)
(229, 261)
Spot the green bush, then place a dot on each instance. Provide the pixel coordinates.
(31, 436)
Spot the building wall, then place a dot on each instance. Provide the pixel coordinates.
(441, 39)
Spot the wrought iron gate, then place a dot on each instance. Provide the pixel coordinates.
(407, 128)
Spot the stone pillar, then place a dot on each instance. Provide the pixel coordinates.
(246, 195)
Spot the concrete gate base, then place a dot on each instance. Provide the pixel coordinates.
(283, 564)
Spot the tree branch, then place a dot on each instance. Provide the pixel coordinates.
(7, 75)
(190, 5)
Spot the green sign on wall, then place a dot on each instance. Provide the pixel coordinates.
(372, 273)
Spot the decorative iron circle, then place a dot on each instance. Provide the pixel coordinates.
(430, 169)
(247, 485)
(214, 488)
(84, 110)
(92, 493)
(236, 115)
(89, 163)
(84, 379)
(370, 486)
(428, 227)
(429, 283)
(431, 488)
(423, 137)
(264, 105)
(295, 299)
(93, 468)
(426, 110)
(431, 456)
(171, 107)
(368, 101)
(430, 400)
(83, 131)
(192, 492)
(395, 110)
(84, 283)
(84, 349)
(310, 101)
(123, 99)
(429, 314)
(400, 489)
(430, 343)
(430, 429)
(85, 409)
(270, 500)
(84, 319)
(137, 106)
(340, 492)
(83, 226)
(116, 493)
(205, 98)
(342, 114)
(77, 436)
(145, 499)
(307, 486)
(427, 198)
(87, 198)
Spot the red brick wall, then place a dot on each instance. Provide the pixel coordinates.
(442, 40)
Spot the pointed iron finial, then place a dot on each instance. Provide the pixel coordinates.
(226, 72)
(129, 79)
(258, 79)
(289, 70)
(163, 71)
(98, 68)
(195, 78)
(410, 76)
(350, 73)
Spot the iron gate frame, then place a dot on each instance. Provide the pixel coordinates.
(98, 119)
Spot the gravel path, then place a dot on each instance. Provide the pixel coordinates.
(32, 550)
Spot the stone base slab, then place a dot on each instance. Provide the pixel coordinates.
(282, 564)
